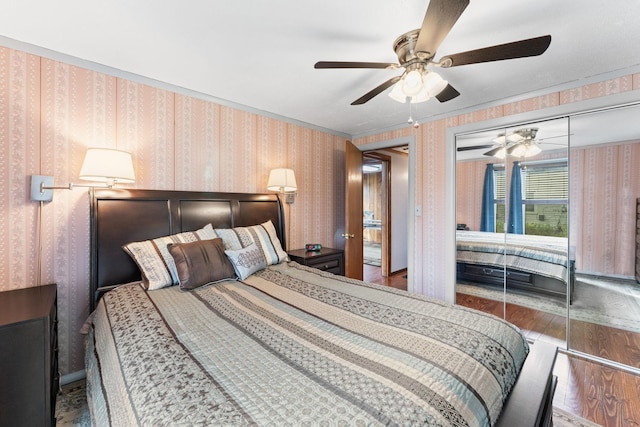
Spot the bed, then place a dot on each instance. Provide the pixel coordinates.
(286, 344)
(539, 264)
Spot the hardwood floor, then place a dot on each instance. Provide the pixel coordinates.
(396, 280)
(601, 394)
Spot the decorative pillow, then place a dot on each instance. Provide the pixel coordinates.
(154, 260)
(200, 263)
(264, 236)
(247, 260)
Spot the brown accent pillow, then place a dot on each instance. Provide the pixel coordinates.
(200, 263)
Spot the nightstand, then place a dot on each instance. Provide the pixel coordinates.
(326, 259)
(29, 356)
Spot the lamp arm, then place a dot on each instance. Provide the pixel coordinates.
(42, 186)
(71, 186)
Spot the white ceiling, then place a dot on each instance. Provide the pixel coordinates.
(260, 54)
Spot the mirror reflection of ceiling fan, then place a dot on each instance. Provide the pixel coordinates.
(416, 52)
(519, 143)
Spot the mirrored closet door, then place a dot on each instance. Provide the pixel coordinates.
(512, 225)
(604, 317)
(548, 237)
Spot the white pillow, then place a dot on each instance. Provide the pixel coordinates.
(154, 260)
(247, 260)
(264, 236)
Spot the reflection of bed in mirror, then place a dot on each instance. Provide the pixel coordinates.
(533, 263)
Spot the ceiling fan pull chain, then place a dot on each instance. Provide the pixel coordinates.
(412, 122)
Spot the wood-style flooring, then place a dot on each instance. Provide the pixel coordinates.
(599, 393)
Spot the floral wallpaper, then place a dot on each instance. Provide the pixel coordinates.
(50, 112)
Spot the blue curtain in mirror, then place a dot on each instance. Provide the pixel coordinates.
(487, 216)
(516, 214)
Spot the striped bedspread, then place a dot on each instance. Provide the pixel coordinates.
(292, 346)
(543, 255)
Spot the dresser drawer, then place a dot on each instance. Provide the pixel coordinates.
(327, 259)
(325, 264)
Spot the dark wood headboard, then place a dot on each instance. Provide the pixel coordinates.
(122, 216)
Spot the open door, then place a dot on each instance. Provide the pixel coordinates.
(353, 250)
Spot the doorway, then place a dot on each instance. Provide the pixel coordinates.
(376, 197)
(354, 223)
(385, 212)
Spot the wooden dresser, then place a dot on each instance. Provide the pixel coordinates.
(28, 356)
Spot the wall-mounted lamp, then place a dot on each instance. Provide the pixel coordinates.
(283, 181)
(100, 164)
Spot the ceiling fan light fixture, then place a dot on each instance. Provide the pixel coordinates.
(532, 150)
(397, 94)
(524, 150)
(433, 83)
(418, 86)
(497, 152)
(517, 150)
(412, 83)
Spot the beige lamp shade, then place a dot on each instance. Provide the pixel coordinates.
(282, 180)
(107, 165)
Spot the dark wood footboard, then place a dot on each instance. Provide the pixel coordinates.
(531, 400)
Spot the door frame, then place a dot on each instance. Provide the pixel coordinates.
(411, 142)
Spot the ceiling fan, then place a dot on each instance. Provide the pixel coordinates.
(416, 52)
(519, 143)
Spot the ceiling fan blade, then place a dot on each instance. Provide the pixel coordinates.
(376, 91)
(474, 147)
(494, 151)
(440, 18)
(520, 49)
(447, 94)
(338, 64)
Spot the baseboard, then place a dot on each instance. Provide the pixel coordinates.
(73, 377)
(605, 276)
